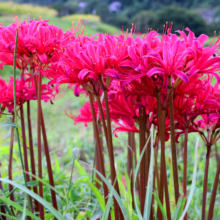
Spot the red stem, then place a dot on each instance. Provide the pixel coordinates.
(173, 144)
(10, 160)
(130, 163)
(205, 182)
(100, 155)
(142, 125)
(38, 90)
(49, 168)
(32, 153)
(156, 166)
(214, 191)
(25, 153)
(102, 118)
(163, 164)
(97, 163)
(160, 186)
(111, 157)
(185, 167)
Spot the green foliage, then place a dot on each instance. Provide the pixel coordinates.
(181, 18)
(144, 20)
(10, 7)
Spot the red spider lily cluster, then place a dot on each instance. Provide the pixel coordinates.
(134, 69)
(160, 80)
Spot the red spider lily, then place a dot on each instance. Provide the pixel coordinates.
(104, 58)
(170, 61)
(85, 115)
(38, 42)
(25, 90)
(123, 108)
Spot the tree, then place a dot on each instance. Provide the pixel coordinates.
(144, 20)
(181, 18)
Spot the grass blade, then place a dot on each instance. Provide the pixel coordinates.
(216, 218)
(35, 196)
(14, 80)
(18, 207)
(179, 208)
(9, 216)
(193, 181)
(161, 207)
(22, 163)
(98, 195)
(81, 216)
(148, 198)
(24, 208)
(123, 209)
(9, 124)
(108, 206)
(135, 177)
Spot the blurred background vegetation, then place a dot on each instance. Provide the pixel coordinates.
(201, 16)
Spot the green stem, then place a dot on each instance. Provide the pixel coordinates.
(14, 80)
(71, 176)
(10, 160)
(147, 154)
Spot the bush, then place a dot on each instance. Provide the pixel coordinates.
(71, 7)
(181, 18)
(12, 7)
(85, 17)
(144, 20)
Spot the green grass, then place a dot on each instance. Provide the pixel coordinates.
(91, 26)
(10, 8)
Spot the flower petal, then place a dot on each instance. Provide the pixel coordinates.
(155, 70)
(181, 75)
(83, 73)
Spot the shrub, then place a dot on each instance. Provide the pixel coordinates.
(144, 20)
(12, 7)
(85, 17)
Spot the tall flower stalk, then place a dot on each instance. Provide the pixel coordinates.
(173, 143)
(165, 82)
(100, 155)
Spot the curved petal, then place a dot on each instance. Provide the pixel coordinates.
(132, 53)
(181, 75)
(112, 73)
(83, 73)
(43, 58)
(155, 70)
(77, 90)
